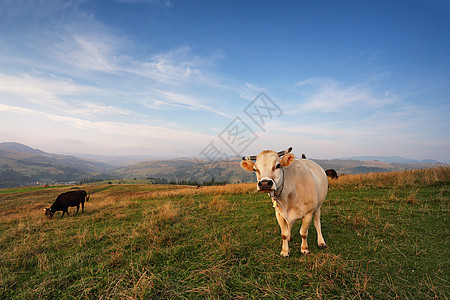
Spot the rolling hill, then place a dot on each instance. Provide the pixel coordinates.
(22, 165)
(392, 159)
(190, 169)
(186, 169)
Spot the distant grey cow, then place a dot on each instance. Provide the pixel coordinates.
(297, 187)
(66, 200)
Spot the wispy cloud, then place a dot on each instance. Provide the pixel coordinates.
(249, 90)
(88, 57)
(55, 94)
(29, 85)
(167, 100)
(102, 51)
(169, 67)
(117, 128)
(328, 95)
(94, 51)
(177, 67)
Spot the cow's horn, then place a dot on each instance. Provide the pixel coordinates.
(281, 153)
(253, 157)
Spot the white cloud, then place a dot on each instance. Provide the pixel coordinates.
(27, 85)
(118, 128)
(171, 99)
(176, 67)
(250, 90)
(101, 51)
(50, 93)
(327, 95)
(169, 67)
(96, 109)
(95, 51)
(97, 66)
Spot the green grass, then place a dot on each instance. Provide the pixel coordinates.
(27, 189)
(387, 238)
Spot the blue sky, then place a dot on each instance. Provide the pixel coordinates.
(163, 78)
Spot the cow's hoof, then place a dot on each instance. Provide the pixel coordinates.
(305, 252)
(322, 247)
(284, 254)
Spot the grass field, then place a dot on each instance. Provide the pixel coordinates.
(387, 237)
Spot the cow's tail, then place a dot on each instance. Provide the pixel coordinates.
(87, 197)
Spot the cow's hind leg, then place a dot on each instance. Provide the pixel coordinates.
(285, 234)
(304, 232)
(78, 208)
(320, 240)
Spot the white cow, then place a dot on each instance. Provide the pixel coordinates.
(298, 188)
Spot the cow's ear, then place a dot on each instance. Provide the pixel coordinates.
(247, 165)
(287, 159)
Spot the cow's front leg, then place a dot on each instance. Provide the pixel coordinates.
(304, 232)
(285, 233)
(320, 240)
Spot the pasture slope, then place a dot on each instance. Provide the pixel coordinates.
(387, 237)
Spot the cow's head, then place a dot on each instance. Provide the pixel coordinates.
(268, 168)
(49, 213)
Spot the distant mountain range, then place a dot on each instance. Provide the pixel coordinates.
(22, 165)
(17, 147)
(392, 159)
(120, 160)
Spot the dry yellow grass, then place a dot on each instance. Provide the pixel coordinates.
(403, 178)
(171, 191)
(107, 196)
(220, 204)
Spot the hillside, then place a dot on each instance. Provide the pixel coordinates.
(190, 169)
(361, 167)
(21, 165)
(17, 147)
(186, 169)
(392, 159)
(119, 161)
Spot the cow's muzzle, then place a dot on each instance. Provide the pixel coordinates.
(266, 185)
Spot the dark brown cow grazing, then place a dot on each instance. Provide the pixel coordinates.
(331, 173)
(66, 200)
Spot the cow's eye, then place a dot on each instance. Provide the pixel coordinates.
(278, 166)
